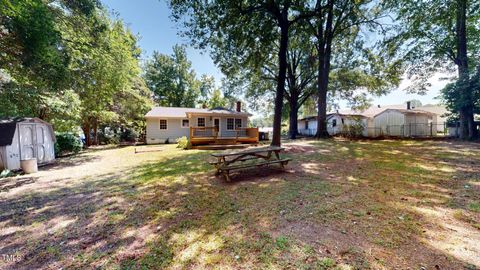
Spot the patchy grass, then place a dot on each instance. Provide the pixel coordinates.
(340, 205)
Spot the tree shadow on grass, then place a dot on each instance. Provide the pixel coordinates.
(175, 213)
(14, 182)
(409, 190)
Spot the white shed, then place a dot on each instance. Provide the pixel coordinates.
(406, 123)
(25, 138)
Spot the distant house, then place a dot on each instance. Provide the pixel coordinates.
(391, 120)
(336, 123)
(201, 126)
(25, 139)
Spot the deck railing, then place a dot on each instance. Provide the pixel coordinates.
(213, 132)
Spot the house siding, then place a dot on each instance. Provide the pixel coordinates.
(312, 127)
(174, 129)
(172, 133)
(390, 122)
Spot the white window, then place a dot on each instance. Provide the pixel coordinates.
(238, 123)
(230, 123)
(201, 122)
(185, 123)
(163, 124)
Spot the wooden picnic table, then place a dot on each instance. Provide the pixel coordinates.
(260, 156)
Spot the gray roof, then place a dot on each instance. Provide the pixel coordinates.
(180, 112)
(9, 125)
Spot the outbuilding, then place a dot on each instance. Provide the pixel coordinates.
(25, 139)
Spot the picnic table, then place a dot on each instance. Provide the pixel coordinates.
(257, 157)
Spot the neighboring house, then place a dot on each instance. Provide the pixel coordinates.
(337, 123)
(441, 112)
(307, 126)
(201, 126)
(24, 139)
(406, 123)
(391, 120)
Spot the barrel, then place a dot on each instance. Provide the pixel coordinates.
(29, 165)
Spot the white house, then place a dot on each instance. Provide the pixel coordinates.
(166, 124)
(391, 120)
(337, 123)
(23, 139)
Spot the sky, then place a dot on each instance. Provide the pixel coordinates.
(150, 20)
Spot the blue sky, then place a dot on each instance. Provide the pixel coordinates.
(150, 20)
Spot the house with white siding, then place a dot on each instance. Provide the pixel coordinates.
(391, 120)
(199, 125)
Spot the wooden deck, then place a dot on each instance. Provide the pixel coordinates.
(210, 136)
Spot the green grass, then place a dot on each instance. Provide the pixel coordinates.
(334, 209)
(474, 206)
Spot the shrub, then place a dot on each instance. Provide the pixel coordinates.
(67, 143)
(354, 130)
(108, 137)
(129, 135)
(183, 143)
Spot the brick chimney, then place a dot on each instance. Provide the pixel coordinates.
(239, 106)
(409, 105)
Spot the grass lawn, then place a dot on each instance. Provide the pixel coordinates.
(340, 205)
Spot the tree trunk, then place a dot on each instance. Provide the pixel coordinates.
(86, 132)
(467, 127)
(322, 131)
(282, 71)
(293, 129)
(95, 133)
(324, 54)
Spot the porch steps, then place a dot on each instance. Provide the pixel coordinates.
(224, 142)
(220, 146)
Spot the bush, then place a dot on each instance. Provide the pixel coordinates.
(107, 137)
(67, 143)
(183, 143)
(354, 130)
(129, 135)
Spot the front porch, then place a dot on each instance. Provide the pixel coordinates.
(212, 136)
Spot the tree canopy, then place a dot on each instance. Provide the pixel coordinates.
(69, 63)
(172, 79)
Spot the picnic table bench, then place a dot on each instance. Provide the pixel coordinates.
(229, 161)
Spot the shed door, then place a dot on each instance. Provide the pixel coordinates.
(41, 146)
(27, 141)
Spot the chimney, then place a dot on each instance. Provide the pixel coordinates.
(409, 105)
(239, 106)
(204, 105)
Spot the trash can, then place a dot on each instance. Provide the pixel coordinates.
(29, 165)
(261, 136)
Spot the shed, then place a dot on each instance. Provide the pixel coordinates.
(406, 122)
(25, 138)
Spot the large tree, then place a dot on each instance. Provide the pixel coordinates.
(34, 65)
(172, 79)
(103, 64)
(342, 27)
(441, 36)
(238, 33)
(259, 84)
